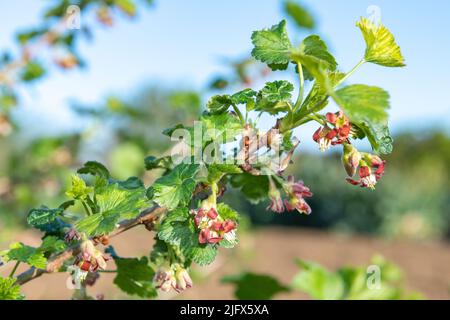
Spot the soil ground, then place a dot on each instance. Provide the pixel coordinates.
(426, 265)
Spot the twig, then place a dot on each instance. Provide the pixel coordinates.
(147, 218)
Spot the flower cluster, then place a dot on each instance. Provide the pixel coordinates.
(371, 167)
(296, 191)
(90, 258)
(172, 277)
(213, 228)
(335, 131)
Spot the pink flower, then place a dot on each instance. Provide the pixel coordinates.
(335, 131)
(276, 202)
(370, 171)
(297, 192)
(90, 258)
(298, 188)
(299, 204)
(183, 280)
(213, 228)
(165, 279)
(350, 159)
(172, 277)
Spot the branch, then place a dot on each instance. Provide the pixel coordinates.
(147, 218)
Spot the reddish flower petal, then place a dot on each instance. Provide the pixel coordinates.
(331, 117)
(353, 182)
(228, 225)
(364, 171)
(212, 213)
(317, 135)
(203, 236)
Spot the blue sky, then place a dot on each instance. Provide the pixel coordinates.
(182, 42)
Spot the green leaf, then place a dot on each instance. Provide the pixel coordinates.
(177, 229)
(226, 212)
(9, 290)
(52, 244)
(246, 96)
(23, 253)
(172, 230)
(254, 188)
(219, 104)
(152, 162)
(380, 45)
(299, 14)
(274, 97)
(216, 171)
(32, 71)
(221, 128)
(318, 282)
(127, 6)
(317, 68)
(272, 46)
(43, 215)
(115, 203)
(135, 277)
(315, 47)
(96, 169)
(56, 227)
(364, 103)
(251, 286)
(79, 190)
(175, 189)
(131, 183)
(203, 254)
(378, 136)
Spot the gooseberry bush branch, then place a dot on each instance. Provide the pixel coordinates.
(226, 147)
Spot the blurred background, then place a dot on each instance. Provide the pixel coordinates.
(106, 90)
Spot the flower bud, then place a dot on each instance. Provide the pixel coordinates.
(350, 159)
(183, 280)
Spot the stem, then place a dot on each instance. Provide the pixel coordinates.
(315, 118)
(318, 105)
(107, 271)
(145, 218)
(239, 113)
(360, 63)
(86, 208)
(14, 269)
(302, 87)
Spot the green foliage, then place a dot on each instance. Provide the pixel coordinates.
(216, 171)
(114, 203)
(255, 188)
(135, 277)
(381, 47)
(219, 104)
(175, 189)
(43, 216)
(315, 47)
(23, 253)
(274, 97)
(9, 290)
(32, 71)
(378, 136)
(272, 46)
(79, 190)
(96, 169)
(251, 286)
(349, 283)
(364, 103)
(299, 14)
